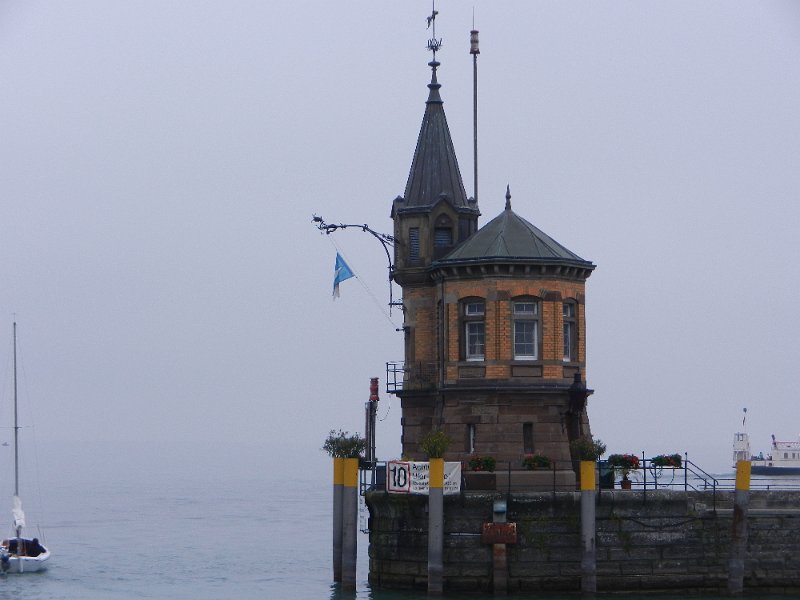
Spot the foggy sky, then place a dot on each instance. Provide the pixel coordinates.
(160, 163)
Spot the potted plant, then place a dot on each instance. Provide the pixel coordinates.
(340, 444)
(586, 448)
(536, 461)
(482, 463)
(479, 473)
(667, 460)
(435, 443)
(624, 463)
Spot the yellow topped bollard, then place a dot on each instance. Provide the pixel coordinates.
(588, 527)
(435, 526)
(743, 469)
(588, 481)
(349, 522)
(338, 481)
(741, 501)
(436, 473)
(350, 472)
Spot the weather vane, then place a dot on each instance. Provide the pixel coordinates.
(433, 43)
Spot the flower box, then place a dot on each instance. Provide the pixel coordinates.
(667, 460)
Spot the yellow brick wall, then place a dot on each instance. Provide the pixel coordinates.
(421, 307)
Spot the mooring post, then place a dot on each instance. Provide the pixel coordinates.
(436, 527)
(338, 480)
(741, 500)
(588, 528)
(349, 523)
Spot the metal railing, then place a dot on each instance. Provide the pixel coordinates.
(415, 375)
(512, 476)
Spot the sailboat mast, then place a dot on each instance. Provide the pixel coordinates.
(16, 426)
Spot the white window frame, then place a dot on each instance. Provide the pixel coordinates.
(521, 315)
(474, 329)
(570, 330)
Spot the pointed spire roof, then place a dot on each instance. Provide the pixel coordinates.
(510, 238)
(434, 173)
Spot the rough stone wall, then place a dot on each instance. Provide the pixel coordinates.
(661, 540)
(498, 421)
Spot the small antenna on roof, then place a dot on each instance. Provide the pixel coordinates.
(474, 50)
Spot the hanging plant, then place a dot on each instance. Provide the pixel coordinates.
(625, 463)
(667, 460)
(536, 461)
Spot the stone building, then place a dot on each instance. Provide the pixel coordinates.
(494, 318)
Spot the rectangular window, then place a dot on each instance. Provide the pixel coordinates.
(570, 332)
(474, 330)
(475, 340)
(473, 309)
(526, 330)
(470, 438)
(527, 438)
(413, 244)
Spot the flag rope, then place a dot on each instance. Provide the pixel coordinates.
(364, 285)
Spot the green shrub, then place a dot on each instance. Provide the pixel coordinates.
(340, 444)
(482, 463)
(435, 443)
(536, 461)
(586, 448)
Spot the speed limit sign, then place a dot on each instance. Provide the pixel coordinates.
(398, 477)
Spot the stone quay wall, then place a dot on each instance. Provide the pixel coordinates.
(645, 541)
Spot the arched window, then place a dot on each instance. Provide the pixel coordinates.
(526, 328)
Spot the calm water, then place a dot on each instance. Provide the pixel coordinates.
(129, 522)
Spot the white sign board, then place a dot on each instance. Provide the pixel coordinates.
(411, 477)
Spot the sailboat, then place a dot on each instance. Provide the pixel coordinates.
(20, 554)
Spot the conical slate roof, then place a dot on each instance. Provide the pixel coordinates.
(510, 238)
(434, 170)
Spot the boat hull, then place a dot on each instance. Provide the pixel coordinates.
(28, 564)
(766, 470)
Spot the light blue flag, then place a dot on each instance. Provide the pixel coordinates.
(342, 272)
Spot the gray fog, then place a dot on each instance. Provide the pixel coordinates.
(160, 163)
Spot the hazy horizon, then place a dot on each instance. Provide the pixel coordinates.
(160, 164)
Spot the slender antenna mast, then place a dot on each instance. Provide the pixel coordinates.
(16, 426)
(474, 50)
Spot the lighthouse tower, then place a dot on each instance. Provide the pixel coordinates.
(494, 318)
